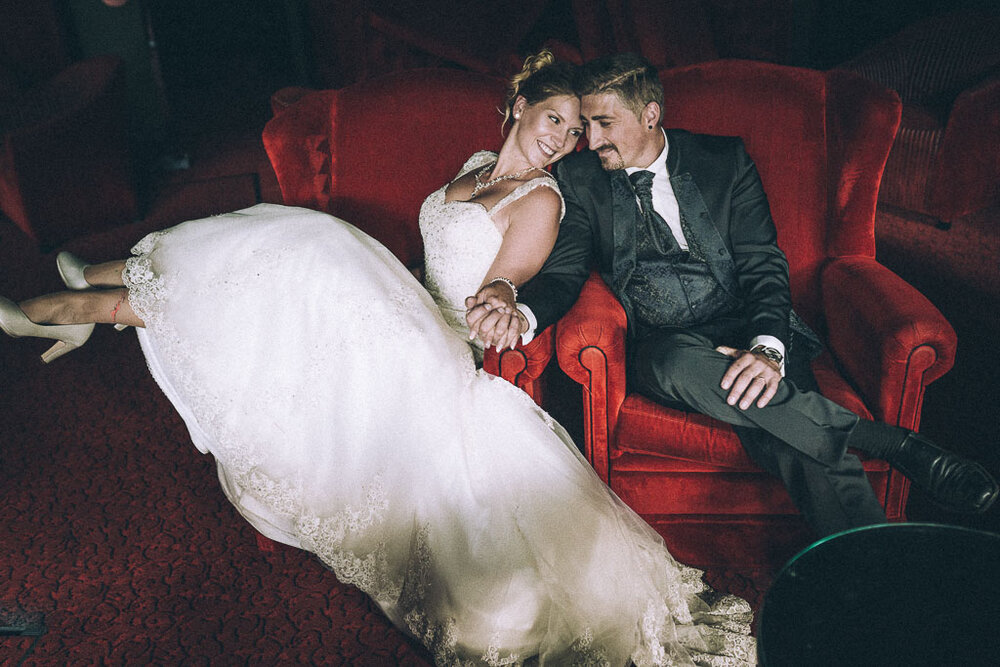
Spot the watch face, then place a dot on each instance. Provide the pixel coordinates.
(770, 353)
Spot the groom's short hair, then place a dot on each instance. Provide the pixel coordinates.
(628, 75)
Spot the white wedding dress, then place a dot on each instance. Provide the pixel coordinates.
(347, 416)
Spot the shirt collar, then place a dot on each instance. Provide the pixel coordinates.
(659, 165)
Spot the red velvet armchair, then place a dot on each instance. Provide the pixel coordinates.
(372, 151)
(945, 162)
(820, 142)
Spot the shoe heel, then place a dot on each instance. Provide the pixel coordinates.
(59, 349)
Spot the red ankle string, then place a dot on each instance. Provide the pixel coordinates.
(114, 313)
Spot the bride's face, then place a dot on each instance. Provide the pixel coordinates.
(547, 130)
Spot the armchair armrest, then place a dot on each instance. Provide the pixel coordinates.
(968, 163)
(523, 366)
(590, 344)
(297, 142)
(285, 97)
(891, 341)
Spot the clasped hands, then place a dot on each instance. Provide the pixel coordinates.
(493, 317)
(750, 377)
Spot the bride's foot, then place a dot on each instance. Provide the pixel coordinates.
(68, 337)
(71, 270)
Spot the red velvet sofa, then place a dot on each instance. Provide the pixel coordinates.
(820, 142)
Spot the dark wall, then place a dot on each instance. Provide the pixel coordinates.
(249, 48)
(181, 54)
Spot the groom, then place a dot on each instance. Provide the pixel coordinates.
(679, 226)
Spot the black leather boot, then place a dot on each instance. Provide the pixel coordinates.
(953, 482)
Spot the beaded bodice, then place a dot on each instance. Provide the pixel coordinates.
(461, 240)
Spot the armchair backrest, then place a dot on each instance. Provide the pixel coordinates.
(819, 140)
(371, 152)
(930, 62)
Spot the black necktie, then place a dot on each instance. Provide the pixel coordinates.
(656, 227)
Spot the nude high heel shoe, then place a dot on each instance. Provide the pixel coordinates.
(68, 337)
(71, 271)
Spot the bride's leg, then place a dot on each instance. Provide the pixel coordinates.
(108, 274)
(101, 307)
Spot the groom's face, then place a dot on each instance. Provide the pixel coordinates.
(613, 131)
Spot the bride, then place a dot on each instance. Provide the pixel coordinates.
(344, 407)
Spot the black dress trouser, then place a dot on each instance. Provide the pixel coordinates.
(800, 436)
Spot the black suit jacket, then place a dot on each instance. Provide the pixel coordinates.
(713, 177)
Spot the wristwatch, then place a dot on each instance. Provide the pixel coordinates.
(769, 353)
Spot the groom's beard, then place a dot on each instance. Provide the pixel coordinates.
(611, 159)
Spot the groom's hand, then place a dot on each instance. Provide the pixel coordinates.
(493, 317)
(750, 377)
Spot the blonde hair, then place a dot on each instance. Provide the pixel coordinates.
(540, 78)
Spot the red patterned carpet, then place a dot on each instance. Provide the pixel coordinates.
(115, 530)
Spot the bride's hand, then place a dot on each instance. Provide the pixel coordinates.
(508, 330)
(485, 311)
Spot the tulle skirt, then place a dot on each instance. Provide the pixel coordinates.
(348, 419)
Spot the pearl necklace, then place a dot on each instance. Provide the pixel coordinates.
(482, 185)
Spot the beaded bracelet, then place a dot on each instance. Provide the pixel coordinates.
(506, 281)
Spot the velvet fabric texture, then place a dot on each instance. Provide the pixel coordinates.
(945, 162)
(372, 151)
(820, 142)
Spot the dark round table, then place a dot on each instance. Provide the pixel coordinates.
(894, 594)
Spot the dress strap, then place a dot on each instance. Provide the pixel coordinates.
(478, 159)
(524, 188)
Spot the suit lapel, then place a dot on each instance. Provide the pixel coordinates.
(704, 241)
(623, 221)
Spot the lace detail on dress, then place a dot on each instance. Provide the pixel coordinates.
(325, 537)
(492, 655)
(439, 636)
(588, 655)
(543, 180)
(477, 160)
(145, 288)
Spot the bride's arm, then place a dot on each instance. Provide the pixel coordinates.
(533, 224)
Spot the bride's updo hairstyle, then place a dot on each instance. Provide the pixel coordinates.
(541, 78)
